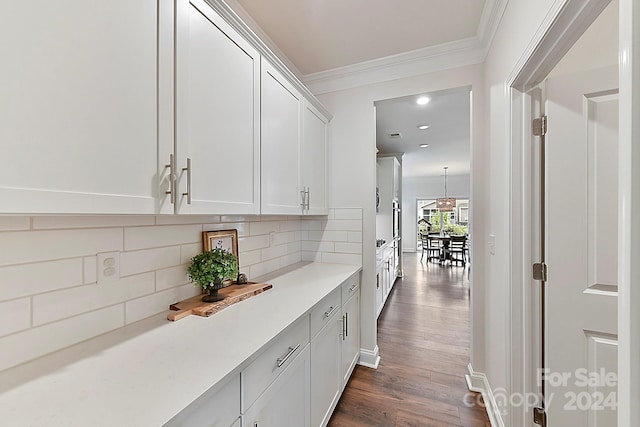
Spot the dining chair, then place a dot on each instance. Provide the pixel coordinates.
(434, 249)
(458, 246)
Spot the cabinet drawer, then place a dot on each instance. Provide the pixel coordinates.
(324, 311)
(273, 360)
(216, 407)
(350, 287)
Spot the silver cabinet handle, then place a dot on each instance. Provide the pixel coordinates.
(188, 169)
(331, 310)
(346, 324)
(344, 331)
(172, 180)
(255, 424)
(353, 288)
(308, 198)
(303, 203)
(282, 361)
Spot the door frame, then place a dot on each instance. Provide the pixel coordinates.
(563, 26)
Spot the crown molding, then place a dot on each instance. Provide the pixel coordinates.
(408, 64)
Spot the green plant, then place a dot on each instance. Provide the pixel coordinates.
(210, 268)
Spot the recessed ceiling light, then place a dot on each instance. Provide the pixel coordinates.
(424, 145)
(423, 127)
(423, 100)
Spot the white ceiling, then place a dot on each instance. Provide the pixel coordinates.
(319, 35)
(336, 44)
(448, 118)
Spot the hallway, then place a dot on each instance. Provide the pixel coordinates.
(423, 335)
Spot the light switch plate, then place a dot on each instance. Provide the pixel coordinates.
(108, 267)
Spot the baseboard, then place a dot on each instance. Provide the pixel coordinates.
(478, 382)
(369, 358)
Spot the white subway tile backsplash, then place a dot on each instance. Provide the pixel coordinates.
(243, 228)
(335, 236)
(136, 262)
(15, 316)
(48, 276)
(314, 246)
(171, 277)
(341, 258)
(189, 251)
(250, 258)
(86, 221)
(355, 213)
(29, 279)
(349, 248)
(20, 347)
(343, 225)
(150, 305)
(264, 227)
(246, 244)
(163, 235)
(19, 247)
(186, 219)
(90, 269)
(8, 223)
(57, 305)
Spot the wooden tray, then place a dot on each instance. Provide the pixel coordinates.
(232, 293)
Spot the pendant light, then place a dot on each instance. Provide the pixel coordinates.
(446, 204)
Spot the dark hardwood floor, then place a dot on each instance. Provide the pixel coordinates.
(424, 336)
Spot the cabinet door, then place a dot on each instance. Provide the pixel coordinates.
(78, 106)
(379, 289)
(217, 115)
(351, 337)
(314, 160)
(285, 403)
(281, 110)
(325, 371)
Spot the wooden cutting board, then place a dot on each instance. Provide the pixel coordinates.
(232, 293)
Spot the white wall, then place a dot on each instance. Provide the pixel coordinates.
(458, 186)
(352, 174)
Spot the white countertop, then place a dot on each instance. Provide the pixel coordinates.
(146, 373)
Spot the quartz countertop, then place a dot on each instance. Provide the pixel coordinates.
(146, 373)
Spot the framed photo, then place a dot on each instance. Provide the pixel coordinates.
(224, 239)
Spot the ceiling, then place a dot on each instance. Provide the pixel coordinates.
(319, 35)
(346, 39)
(448, 116)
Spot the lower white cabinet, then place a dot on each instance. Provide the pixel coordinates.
(350, 337)
(218, 407)
(285, 403)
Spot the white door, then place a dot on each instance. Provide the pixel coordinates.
(325, 371)
(281, 110)
(351, 336)
(218, 116)
(581, 215)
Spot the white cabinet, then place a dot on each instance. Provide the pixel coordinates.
(219, 407)
(281, 134)
(285, 403)
(78, 106)
(314, 160)
(385, 276)
(217, 115)
(350, 335)
(326, 330)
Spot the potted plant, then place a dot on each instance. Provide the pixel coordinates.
(209, 270)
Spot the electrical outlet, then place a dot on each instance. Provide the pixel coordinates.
(108, 267)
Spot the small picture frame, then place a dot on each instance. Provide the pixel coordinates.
(224, 239)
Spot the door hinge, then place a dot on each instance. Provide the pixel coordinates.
(540, 417)
(539, 126)
(540, 271)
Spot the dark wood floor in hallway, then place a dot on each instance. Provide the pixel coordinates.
(424, 336)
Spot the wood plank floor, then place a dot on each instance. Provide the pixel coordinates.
(424, 336)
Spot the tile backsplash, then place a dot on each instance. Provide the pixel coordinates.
(49, 292)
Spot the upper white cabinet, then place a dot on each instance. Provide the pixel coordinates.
(217, 115)
(281, 134)
(78, 107)
(314, 160)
